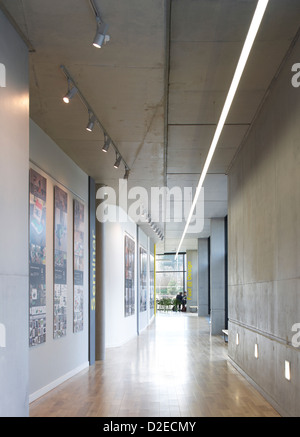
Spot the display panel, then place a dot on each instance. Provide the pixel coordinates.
(37, 258)
(129, 290)
(78, 240)
(60, 262)
(143, 279)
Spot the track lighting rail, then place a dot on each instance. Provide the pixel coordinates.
(93, 119)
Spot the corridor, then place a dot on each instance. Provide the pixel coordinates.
(175, 368)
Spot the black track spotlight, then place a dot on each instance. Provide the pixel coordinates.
(70, 94)
(106, 143)
(90, 125)
(101, 37)
(118, 161)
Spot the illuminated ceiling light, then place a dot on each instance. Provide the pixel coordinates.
(118, 161)
(256, 350)
(255, 23)
(90, 125)
(106, 143)
(101, 36)
(70, 94)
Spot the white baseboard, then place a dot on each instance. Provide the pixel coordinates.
(42, 391)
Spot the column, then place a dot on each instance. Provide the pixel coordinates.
(217, 275)
(14, 186)
(100, 291)
(92, 271)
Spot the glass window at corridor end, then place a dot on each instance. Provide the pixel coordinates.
(170, 274)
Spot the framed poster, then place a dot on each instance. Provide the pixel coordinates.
(78, 262)
(60, 262)
(151, 284)
(129, 289)
(143, 279)
(37, 258)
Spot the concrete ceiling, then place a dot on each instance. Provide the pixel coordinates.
(158, 88)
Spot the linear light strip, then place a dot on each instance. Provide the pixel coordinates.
(255, 23)
(91, 111)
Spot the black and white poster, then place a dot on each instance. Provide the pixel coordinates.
(129, 291)
(143, 279)
(60, 262)
(78, 241)
(37, 258)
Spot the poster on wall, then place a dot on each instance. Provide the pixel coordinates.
(60, 263)
(37, 258)
(151, 284)
(78, 241)
(143, 279)
(129, 291)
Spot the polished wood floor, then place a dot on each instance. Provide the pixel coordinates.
(173, 369)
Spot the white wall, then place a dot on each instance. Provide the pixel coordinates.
(55, 360)
(118, 328)
(14, 149)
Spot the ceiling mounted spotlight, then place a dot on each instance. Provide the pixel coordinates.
(90, 125)
(106, 143)
(70, 94)
(101, 36)
(118, 161)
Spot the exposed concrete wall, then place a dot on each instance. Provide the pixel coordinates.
(264, 246)
(217, 275)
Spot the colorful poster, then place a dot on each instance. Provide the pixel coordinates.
(151, 284)
(60, 263)
(143, 279)
(129, 290)
(37, 258)
(78, 240)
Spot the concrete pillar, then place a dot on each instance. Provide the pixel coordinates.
(92, 271)
(203, 278)
(217, 275)
(14, 195)
(100, 292)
